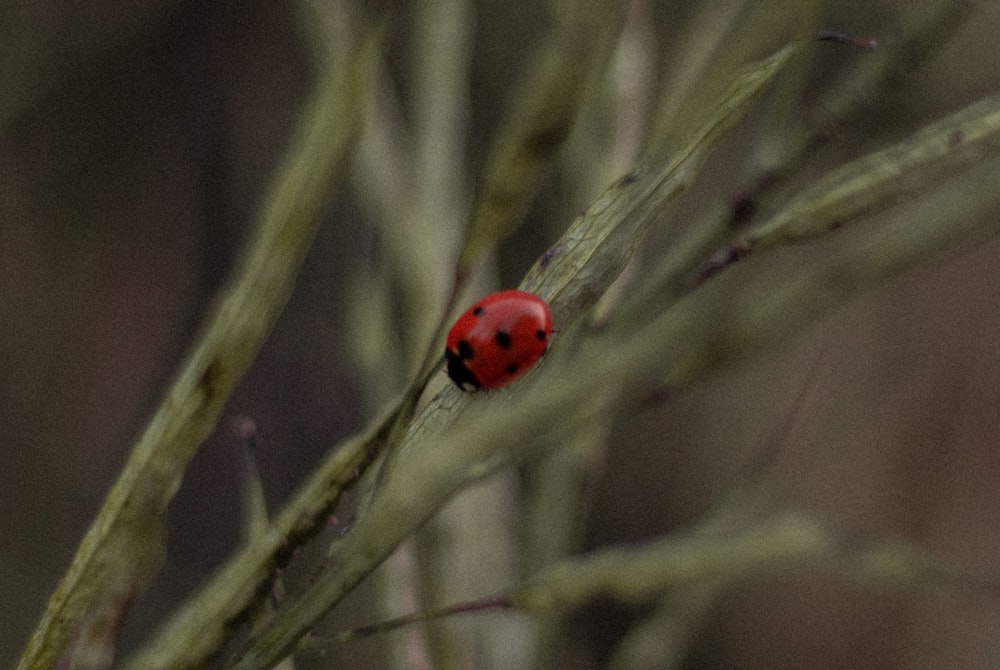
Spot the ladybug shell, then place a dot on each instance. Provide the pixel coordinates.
(497, 340)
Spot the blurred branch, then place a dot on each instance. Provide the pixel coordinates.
(420, 238)
(778, 544)
(788, 139)
(245, 315)
(640, 574)
(663, 640)
(557, 497)
(884, 178)
(595, 248)
(555, 491)
(411, 184)
(687, 571)
(925, 30)
(741, 312)
(540, 115)
(719, 39)
(435, 215)
(912, 168)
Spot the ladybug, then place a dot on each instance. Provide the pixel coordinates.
(497, 340)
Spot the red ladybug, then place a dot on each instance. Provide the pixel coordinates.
(497, 340)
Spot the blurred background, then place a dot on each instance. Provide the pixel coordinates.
(137, 141)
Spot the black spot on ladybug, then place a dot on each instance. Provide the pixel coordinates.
(540, 334)
(465, 351)
(479, 311)
(458, 370)
(512, 368)
(503, 339)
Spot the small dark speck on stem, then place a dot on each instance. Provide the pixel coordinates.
(210, 377)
